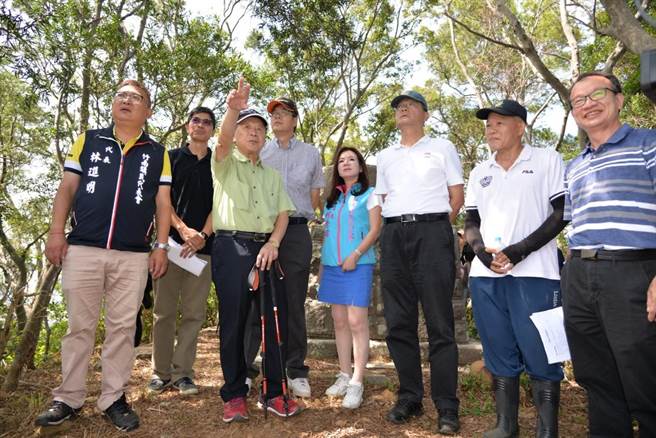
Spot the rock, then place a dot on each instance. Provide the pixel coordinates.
(478, 368)
(322, 348)
(377, 379)
(319, 320)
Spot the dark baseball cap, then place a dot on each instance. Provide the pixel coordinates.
(410, 94)
(286, 103)
(245, 114)
(507, 108)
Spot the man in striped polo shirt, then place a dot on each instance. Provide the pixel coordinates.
(609, 282)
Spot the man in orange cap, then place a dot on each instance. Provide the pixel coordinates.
(299, 164)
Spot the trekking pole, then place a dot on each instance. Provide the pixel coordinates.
(274, 301)
(263, 344)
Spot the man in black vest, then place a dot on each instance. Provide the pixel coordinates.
(115, 180)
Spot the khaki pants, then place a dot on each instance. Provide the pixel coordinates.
(174, 360)
(88, 275)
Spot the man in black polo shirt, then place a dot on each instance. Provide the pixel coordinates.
(191, 219)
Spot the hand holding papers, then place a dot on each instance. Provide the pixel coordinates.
(551, 326)
(193, 264)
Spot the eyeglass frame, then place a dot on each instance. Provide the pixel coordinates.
(203, 122)
(129, 96)
(278, 112)
(583, 99)
(407, 105)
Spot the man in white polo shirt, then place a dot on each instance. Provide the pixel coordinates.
(514, 207)
(420, 179)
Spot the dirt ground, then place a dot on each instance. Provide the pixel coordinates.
(169, 415)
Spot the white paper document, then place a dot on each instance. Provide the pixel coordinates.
(551, 326)
(193, 264)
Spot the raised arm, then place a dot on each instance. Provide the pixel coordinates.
(237, 100)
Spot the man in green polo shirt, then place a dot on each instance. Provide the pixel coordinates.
(250, 216)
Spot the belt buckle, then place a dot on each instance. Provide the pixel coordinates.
(408, 218)
(589, 254)
(259, 237)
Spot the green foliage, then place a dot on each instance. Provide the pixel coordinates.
(475, 396)
(472, 330)
(337, 59)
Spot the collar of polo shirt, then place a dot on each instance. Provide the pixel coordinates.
(524, 155)
(617, 137)
(241, 157)
(398, 144)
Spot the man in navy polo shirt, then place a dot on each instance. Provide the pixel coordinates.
(609, 283)
(514, 206)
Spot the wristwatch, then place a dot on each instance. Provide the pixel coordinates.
(204, 235)
(160, 245)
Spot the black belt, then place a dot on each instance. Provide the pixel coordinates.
(246, 235)
(408, 218)
(619, 255)
(297, 221)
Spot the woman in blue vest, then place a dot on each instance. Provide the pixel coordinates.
(352, 224)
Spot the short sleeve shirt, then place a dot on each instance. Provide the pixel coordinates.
(415, 179)
(301, 171)
(191, 191)
(611, 193)
(72, 163)
(515, 202)
(247, 197)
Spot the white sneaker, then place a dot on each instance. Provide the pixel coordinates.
(300, 387)
(338, 389)
(353, 398)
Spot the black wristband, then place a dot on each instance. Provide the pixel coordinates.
(485, 258)
(204, 235)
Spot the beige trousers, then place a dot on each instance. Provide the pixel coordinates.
(90, 275)
(171, 359)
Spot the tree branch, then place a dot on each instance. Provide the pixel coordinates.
(480, 35)
(527, 48)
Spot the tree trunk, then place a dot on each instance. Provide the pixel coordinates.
(626, 28)
(31, 333)
(6, 330)
(86, 69)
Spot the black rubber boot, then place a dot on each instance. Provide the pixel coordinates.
(506, 393)
(546, 396)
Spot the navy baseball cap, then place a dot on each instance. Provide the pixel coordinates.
(410, 94)
(507, 108)
(245, 114)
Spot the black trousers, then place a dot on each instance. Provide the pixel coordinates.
(612, 343)
(295, 255)
(418, 266)
(231, 262)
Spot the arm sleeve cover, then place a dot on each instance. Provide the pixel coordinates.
(541, 236)
(474, 238)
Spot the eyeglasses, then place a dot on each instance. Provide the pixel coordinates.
(199, 121)
(279, 113)
(407, 105)
(129, 96)
(595, 96)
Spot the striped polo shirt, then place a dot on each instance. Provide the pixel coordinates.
(610, 193)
